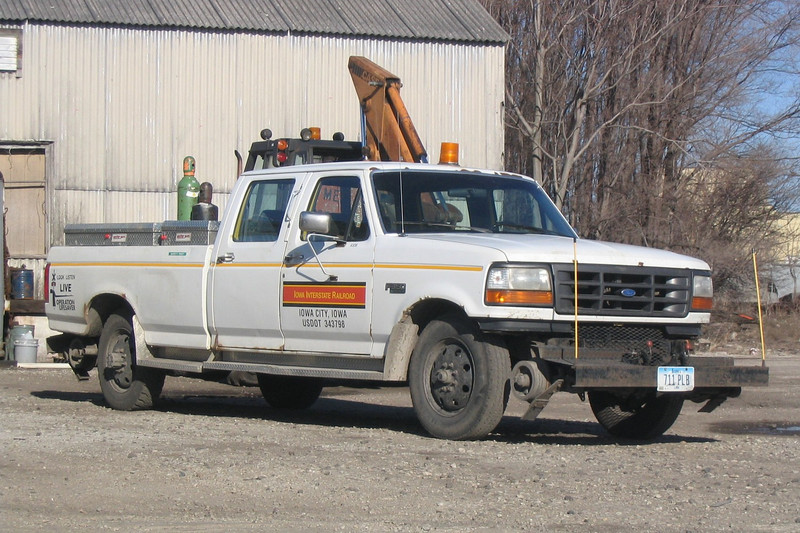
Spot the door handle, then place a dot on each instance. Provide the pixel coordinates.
(227, 257)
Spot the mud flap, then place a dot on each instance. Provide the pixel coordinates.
(540, 402)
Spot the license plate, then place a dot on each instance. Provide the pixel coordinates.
(675, 378)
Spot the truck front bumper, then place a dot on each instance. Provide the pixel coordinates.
(715, 378)
(709, 372)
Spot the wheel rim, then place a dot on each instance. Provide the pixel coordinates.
(118, 371)
(451, 377)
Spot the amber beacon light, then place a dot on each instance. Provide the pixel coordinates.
(448, 154)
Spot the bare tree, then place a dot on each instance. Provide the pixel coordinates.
(615, 104)
(730, 211)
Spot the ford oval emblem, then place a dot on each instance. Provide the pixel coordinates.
(628, 293)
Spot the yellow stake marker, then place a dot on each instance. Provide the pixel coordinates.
(760, 317)
(575, 273)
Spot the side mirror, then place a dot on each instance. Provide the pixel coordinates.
(320, 223)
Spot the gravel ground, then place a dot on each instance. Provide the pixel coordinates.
(213, 457)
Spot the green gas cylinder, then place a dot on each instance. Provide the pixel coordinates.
(188, 190)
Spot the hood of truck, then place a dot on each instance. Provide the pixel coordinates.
(556, 249)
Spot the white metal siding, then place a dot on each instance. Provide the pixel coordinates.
(124, 106)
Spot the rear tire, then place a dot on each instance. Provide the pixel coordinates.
(642, 418)
(125, 386)
(458, 380)
(289, 392)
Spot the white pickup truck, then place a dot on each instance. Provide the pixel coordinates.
(456, 281)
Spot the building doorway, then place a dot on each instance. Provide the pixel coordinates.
(24, 173)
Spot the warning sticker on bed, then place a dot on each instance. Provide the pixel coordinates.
(339, 294)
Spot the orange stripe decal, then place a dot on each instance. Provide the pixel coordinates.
(129, 264)
(458, 268)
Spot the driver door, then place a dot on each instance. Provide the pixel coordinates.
(326, 282)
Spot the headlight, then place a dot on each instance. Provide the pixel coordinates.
(702, 293)
(517, 285)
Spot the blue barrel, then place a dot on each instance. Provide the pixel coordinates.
(21, 284)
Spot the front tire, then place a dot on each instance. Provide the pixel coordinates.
(125, 386)
(458, 380)
(638, 417)
(289, 392)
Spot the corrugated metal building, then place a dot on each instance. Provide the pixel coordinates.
(101, 100)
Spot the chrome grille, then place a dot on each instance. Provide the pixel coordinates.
(623, 291)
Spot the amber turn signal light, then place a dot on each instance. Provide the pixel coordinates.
(511, 297)
(700, 303)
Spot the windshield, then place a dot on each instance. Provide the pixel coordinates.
(433, 202)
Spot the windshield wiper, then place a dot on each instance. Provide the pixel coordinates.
(473, 228)
(428, 224)
(530, 229)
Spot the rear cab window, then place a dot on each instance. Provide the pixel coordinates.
(263, 212)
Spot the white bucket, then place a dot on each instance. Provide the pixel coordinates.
(25, 350)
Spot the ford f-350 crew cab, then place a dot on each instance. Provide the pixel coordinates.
(459, 282)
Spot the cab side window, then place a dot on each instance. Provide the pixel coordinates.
(263, 211)
(342, 198)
